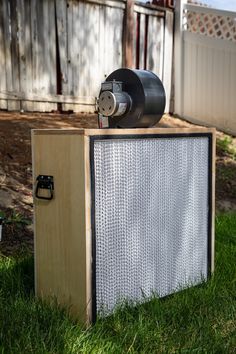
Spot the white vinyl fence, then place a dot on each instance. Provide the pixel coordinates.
(205, 66)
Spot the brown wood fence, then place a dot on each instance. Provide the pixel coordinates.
(55, 53)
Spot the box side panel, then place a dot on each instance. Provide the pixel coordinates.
(88, 228)
(213, 201)
(60, 230)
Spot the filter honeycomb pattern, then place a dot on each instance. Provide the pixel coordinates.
(151, 207)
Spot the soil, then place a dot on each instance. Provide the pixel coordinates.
(16, 169)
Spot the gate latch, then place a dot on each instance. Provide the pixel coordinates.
(44, 182)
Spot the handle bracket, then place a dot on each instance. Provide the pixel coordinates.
(44, 182)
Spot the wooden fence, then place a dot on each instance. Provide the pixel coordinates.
(55, 53)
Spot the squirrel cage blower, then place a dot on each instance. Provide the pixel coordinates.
(131, 99)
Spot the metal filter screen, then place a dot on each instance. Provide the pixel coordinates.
(151, 217)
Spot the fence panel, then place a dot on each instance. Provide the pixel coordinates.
(208, 67)
(154, 43)
(55, 53)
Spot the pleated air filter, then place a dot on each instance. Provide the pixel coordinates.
(150, 217)
(145, 204)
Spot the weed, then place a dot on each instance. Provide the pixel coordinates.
(226, 145)
(14, 218)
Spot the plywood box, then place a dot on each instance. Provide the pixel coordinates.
(132, 213)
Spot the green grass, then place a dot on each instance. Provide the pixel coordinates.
(227, 146)
(198, 320)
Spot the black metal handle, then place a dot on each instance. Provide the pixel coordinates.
(44, 182)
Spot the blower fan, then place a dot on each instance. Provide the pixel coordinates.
(131, 99)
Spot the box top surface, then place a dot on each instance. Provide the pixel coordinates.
(136, 131)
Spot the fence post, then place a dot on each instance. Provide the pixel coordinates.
(178, 58)
(128, 38)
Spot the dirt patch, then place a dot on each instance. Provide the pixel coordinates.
(16, 168)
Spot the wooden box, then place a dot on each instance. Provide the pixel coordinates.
(99, 205)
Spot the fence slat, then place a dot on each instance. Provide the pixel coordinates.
(128, 45)
(12, 53)
(28, 106)
(25, 64)
(68, 89)
(135, 39)
(115, 20)
(35, 51)
(167, 64)
(142, 41)
(3, 103)
(155, 45)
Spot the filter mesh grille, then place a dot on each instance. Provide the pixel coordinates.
(151, 224)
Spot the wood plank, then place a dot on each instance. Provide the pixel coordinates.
(213, 157)
(21, 36)
(8, 33)
(61, 18)
(68, 89)
(167, 61)
(47, 60)
(107, 41)
(26, 105)
(128, 38)
(136, 131)
(40, 50)
(37, 25)
(90, 75)
(150, 10)
(15, 58)
(88, 209)
(82, 47)
(134, 41)
(42, 63)
(142, 41)
(3, 81)
(51, 52)
(60, 228)
(19, 96)
(155, 45)
(119, 4)
(115, 39)
(80, 57)
(145, 131)
(95, 76)
(102, 45)
(34, 49)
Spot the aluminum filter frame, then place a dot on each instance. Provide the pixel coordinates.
(132, 268)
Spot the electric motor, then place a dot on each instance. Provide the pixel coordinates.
(131, 99)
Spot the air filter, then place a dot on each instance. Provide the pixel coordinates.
(131, 215)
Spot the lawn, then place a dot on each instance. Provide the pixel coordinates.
(198, 320)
